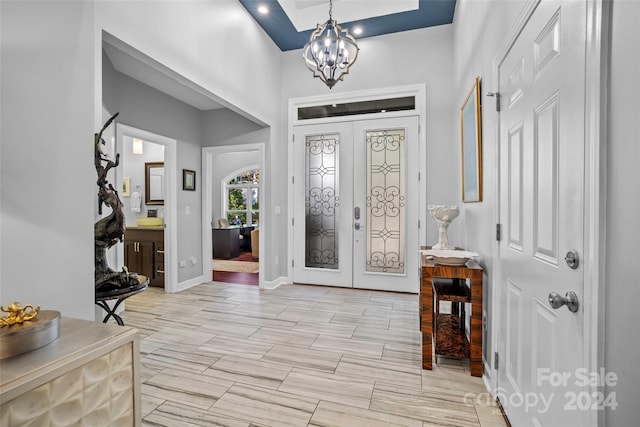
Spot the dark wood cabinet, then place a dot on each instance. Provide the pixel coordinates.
(144, 253)
(226, 242)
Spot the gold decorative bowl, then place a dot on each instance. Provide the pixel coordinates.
(23, 337)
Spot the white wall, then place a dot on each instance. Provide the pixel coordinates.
(48, 193)
(206, 42)
(622, 288)
(52, 104)
(411, 57)
(144, 107)
(480, 28)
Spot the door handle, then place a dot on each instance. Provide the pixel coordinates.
(570, 300)
(356, 213)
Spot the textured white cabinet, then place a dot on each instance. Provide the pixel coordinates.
(89, 376)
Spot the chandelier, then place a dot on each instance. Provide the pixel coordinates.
(330, 51)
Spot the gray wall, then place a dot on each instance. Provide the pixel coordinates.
(480, 30)
(622, 288)
(146, 108)
(426, 58)
(225, 127)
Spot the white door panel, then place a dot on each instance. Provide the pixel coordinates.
(541, 183)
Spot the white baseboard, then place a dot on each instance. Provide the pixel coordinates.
(272, 284)
(486, 379)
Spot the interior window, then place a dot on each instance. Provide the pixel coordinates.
(242, 198)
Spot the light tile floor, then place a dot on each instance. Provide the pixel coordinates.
(222, 354)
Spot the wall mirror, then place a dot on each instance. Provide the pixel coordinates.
(471, 136)
(154, 183)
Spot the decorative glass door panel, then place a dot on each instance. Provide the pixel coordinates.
(385, 201)
(322, 201)
(386, 244)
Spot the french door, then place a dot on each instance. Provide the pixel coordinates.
(356, 204)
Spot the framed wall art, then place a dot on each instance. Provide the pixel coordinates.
(188, 180)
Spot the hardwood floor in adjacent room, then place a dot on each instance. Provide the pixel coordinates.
(233, 355)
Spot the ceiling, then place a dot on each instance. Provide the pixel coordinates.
(289, 23)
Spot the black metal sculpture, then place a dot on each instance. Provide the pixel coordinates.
(110, 229)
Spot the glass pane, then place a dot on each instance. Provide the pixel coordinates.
(237, 199)
(359, 107)
(255, 217)
(322, 201)
(255, 203)
(385, 201)
(237, 217)
(248, 177)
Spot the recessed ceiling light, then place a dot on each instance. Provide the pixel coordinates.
(357, 30)
(263, 9)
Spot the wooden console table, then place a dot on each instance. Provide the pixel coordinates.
(471, 271)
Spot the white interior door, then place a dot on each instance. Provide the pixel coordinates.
(541, 207)
(355, 204)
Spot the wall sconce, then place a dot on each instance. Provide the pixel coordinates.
(137, 146)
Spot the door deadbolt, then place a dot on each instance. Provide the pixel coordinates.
(572, 259)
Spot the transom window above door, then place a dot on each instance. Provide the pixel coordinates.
(241, 195)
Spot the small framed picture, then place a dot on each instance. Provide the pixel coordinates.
(126, 187)
(188, 180)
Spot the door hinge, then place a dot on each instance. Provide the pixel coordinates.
(418, 176)
(293, 139)
(292, 263)
(292, 222)
(497, 96)
(418, 223)
(496, 361)
(293, 179)
(498, 232)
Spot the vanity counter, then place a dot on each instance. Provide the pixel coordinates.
(145, 227)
